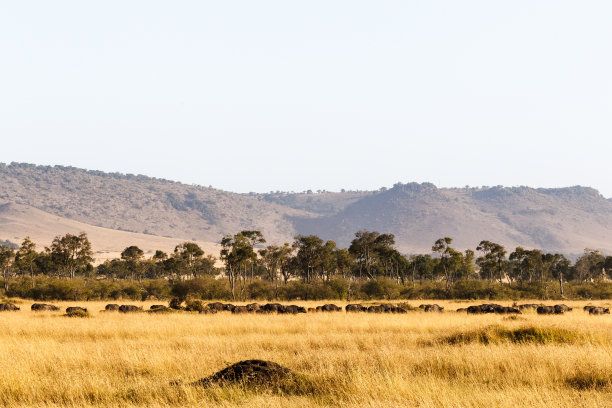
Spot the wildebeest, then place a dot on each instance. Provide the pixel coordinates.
(292, 309)
(8, 307)
(311, 310)
(253, 307)
(559, 309)
(588, 308)
(111, 307)
(153, 307)
(599, 310)
(375, 309)
(548, 310)
(129, 309)
(328, 308)
(397, 309)
(218, 306)
(492, 308)
(271, 308)
(40, 307)
(355, 307)
(76, 309)
(461, 309)
(433, 308)
(240, 309)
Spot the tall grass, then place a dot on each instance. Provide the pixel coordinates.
(351, 360)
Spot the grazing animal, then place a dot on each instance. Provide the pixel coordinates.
(253, 307)
(375, 309)
(433, 308)
(560, 309)
(271, 308)
(112, 307)
(330, 308)
(40, 307)
(153, 307)
(8, 307)
(548, 310)
(129, 309)
(461, 309)
(218, 306)
(397, 309)
(240, 309)
(355, 308)
(312, 310)
(292, 309)
(73, 309)
(588, 308)
(599, 311)
(228, 307)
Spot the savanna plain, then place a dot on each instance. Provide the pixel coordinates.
(416, 359)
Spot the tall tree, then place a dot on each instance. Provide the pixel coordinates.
(492, 261)
(133, 257)
(450, 259)
(368, 247)
(25, 259)
(71, 252)
(7, 259)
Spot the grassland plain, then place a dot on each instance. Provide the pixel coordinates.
(351, 360)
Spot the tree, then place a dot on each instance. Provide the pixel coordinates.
(25, 259)
(559, 267)
(590, 266)
(192, 257)
(368, 247)
(309, 253)
(492, 260)
(133, 257)
(71, 252)
(7, 259)
(238, 255)
(450, 259)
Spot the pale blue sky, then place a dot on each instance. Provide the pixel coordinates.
(285, 95)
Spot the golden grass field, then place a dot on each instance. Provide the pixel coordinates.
(354, 360)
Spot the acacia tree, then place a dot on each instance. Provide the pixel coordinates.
(133, 257)
(559, 267)
(368, 246)
(7, 259)
(25, 258)
(238, 255)
(492, 260)
(450, 259)
(71, 252)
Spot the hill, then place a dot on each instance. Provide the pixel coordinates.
(564, 219)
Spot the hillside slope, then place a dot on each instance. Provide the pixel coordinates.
(19, 221)
(565, 219)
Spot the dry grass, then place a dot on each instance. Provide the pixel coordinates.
(357, 360)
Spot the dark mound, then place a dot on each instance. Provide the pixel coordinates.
(259, 374)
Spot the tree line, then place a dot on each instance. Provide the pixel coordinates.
(309, 260)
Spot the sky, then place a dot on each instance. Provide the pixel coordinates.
(282, 95)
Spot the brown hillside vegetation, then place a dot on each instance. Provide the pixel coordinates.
(19, 221)
(558, 220)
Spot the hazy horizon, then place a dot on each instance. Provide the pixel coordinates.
(273, 95)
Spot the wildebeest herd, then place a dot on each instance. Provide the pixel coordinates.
(277, 308)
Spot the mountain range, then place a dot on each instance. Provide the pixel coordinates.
(43, 201)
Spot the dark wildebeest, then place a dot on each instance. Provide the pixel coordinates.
(474, 310)
(73, 309)
(588, 308)
(397, 309)
(40, 307)
(228, 307)
(153, 307)
(292, 309)
(433, 308)
(8, 307)
(355, 308)
(253, 307)
(129, 308)
(240, 309)
(330, 308)
(599, 311)
(218, 306)
(387, 307)
(548, 310)
(375, 309)
(271, 308)
(111, 307)
(461, 309)
(560, 309)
